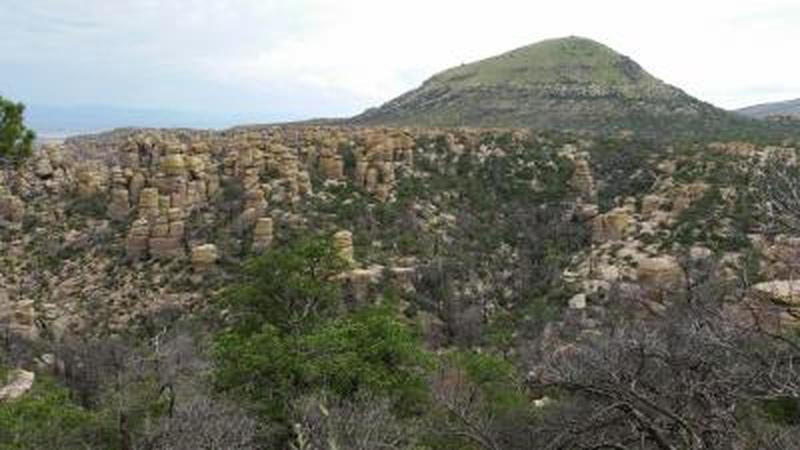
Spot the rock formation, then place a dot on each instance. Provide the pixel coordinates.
(662, 273)
(18, 382)
(19, 317)
(204, 257)
(343, 242)
(613, 225)
(12, 209)
(262, 234)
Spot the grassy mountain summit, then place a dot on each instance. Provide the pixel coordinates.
(569, 60)
(571, 83)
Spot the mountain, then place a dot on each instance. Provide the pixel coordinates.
(60, 121)
(568, 84)
(764, 110)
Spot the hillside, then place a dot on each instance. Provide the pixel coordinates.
(473, 274)
(765, 110)
(566, 84)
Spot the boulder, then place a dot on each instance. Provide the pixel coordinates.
(136, 244)
(359, 282)
(19, 382)
(20, 317)
(204, 257)
(43, 168)
(148, 202)
(783, 292)
(12, 209)
(90, 181)
(582, 179)
(174, 165)
(331, 165)
(262, 234)
(578, 301)
(661, 272)
(166, 241)
(651, 204)
(119, 205)
(196, 166)
(612, 226)
(688, 194)
(343, 242)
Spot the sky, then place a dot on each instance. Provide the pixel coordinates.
(275, 60)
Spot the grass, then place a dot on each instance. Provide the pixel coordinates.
(572, 59)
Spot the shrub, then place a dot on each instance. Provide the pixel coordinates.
(46, 417)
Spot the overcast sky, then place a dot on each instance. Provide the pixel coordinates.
(290, 59)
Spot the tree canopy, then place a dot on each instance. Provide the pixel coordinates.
(16, 140)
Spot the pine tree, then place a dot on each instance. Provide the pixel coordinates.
(16, 141)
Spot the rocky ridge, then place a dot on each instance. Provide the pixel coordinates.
(156, 225)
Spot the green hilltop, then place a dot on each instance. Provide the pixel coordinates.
(567, 84)
(546, 62)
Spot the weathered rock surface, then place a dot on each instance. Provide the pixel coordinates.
(663, 272)
(262, 234)
(343, 241)
(18, 384)
(204, 257)
(785, 292)
(613, 225)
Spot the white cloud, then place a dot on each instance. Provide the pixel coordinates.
(362, 52)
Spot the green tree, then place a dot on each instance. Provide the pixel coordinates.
(47, 417)
(290, 335)
(291, 288)
(16, 141)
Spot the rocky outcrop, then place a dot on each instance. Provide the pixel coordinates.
(208, 196)
(262, 234)
(686, 195)
(119, 206)
(12, 210)
(775, 304)
(331, 164)
(204, 257)
(613, 225)
(166, 236)
(663, 273)
(583, 181)
(343, 242)
(784, 292)
(138, 239)
(19, 317)
(18, 383)
(90, 180)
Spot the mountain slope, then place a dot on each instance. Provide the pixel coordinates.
(569, 84)
(764, 110)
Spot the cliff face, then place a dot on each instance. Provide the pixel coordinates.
(564, 84)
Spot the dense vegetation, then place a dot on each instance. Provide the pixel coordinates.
(325, 374)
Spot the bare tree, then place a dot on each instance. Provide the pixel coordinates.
(366, 423)
(777, 194)
(465, 414)
(203, 423)
(683, 381)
